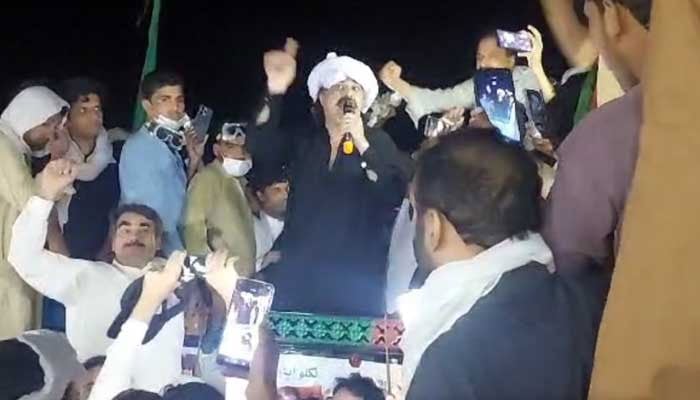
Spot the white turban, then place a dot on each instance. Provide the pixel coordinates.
(334, 70)
(29, 109)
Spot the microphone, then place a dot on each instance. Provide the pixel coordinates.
(348, 106)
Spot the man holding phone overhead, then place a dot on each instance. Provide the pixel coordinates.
(490, 55)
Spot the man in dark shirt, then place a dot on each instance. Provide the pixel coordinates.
(346, 181)
(492, 320)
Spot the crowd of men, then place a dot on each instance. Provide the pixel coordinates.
(496, 256)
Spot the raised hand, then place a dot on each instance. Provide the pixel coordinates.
(390, 74)
(158, 283)
(281, 67)
(534, 57)
(221, 274)
(55, 178)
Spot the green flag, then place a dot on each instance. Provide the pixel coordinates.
(150, 63)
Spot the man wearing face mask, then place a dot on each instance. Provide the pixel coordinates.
(152, 170)
(217, 215)
(28, 126)
(346, 180)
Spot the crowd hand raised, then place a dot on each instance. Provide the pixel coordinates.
(158, 284)
(195, 145)
(55, 178)
(281, 67)
(221, 274)
(534, 57)
(454, 117)
(390, 74)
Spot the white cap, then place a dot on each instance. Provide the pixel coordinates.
(334, 70)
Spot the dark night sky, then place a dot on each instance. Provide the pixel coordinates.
(218, 46)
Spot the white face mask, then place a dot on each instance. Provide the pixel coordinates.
(171, 123)
(237, 168)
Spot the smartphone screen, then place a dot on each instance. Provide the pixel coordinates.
(518, 41)
(250, 304)
(202, 120)
(495, 94)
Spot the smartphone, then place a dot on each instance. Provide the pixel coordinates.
(250, 304)
(495, 94)
(202, 120)
(517, 41)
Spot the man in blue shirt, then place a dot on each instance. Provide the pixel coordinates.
(152, 170)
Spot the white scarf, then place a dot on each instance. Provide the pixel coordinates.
(452, 290)
(88, 170)
(58, 361)
(29, 109)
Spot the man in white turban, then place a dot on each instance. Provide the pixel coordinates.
(29, 126)
(345, 179)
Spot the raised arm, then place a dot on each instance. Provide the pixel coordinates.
(51, 274)
(571, 36)
(421, 101)
(266, 142)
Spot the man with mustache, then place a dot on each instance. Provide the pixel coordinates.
(346, 179)
(91, 291)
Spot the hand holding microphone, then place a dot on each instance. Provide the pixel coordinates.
(353, 127)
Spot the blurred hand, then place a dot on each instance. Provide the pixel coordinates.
(195, 147)
(534, 57)
(221, 274)
(262, 378)
(55, 178)
(158, 283)
(479, 119)
(352, 123)
(272, 257)
(390, 74)
(281, 67)
(454, 116)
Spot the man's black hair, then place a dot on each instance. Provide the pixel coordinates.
(262, 177)
(140, 209)
(158, 79)
(359, 386)
(74, 89)
(487, 189)
(132, 394)
(20, 370)
(193, 390)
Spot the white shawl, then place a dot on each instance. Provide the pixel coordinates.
(88, 169)
(452, 290)
(29, 109)
(58, 361)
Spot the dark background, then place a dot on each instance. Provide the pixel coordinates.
(218, 47)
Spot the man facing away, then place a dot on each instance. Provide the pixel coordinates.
(492, 321)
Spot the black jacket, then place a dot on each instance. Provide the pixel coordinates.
(338, 221)
(530, 338)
